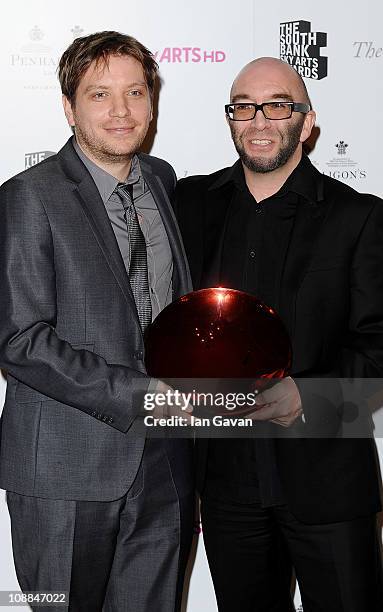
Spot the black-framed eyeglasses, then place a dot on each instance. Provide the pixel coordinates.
(245, 111)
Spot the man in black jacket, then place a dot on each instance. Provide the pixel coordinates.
(311, 248)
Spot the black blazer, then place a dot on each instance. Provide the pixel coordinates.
(70, 337)
(331, 301)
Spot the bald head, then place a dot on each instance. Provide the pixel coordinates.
(273, 71)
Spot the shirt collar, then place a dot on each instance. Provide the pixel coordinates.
(105, 182)
(305, 180)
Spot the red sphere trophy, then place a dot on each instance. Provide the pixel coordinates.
(217, 333)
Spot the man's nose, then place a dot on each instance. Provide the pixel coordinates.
(260, 121)
(120, 106)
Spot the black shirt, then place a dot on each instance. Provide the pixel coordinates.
(255, 245)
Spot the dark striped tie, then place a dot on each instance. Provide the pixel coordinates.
(138, 264)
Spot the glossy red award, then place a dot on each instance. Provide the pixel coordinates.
(217, 333)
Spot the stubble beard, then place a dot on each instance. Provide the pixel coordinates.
(103, 151)
(290, 142)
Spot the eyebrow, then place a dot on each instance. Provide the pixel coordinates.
(276, 96)
(106, 87)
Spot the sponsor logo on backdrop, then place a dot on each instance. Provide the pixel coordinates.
(301, 48)
(367, 49)
(341, 166)
(186, 55)
(38, 59)
(35, 44)
(342, 147)
(34, 53)
(31, 159)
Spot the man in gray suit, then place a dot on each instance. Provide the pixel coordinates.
(90, 253)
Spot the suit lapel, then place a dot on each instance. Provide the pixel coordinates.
(308, 221)
(89, 199)
(216, 219)
(181, 275)
(219, 198)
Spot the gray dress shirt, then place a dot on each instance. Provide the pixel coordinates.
(159, 255)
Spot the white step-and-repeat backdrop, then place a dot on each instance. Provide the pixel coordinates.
(200, 46)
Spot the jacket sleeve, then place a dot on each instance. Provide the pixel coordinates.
(30, 349)
(362, 351)
(357, 370)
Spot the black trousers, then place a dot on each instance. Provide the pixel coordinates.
(251, 550)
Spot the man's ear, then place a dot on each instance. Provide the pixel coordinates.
(68, 110)
(308, 125)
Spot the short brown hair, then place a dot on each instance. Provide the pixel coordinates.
(98, 47)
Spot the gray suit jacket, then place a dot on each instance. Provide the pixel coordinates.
(70, 338)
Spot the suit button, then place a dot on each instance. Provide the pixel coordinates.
(258, 208)
(252, 254)
(139, 355)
